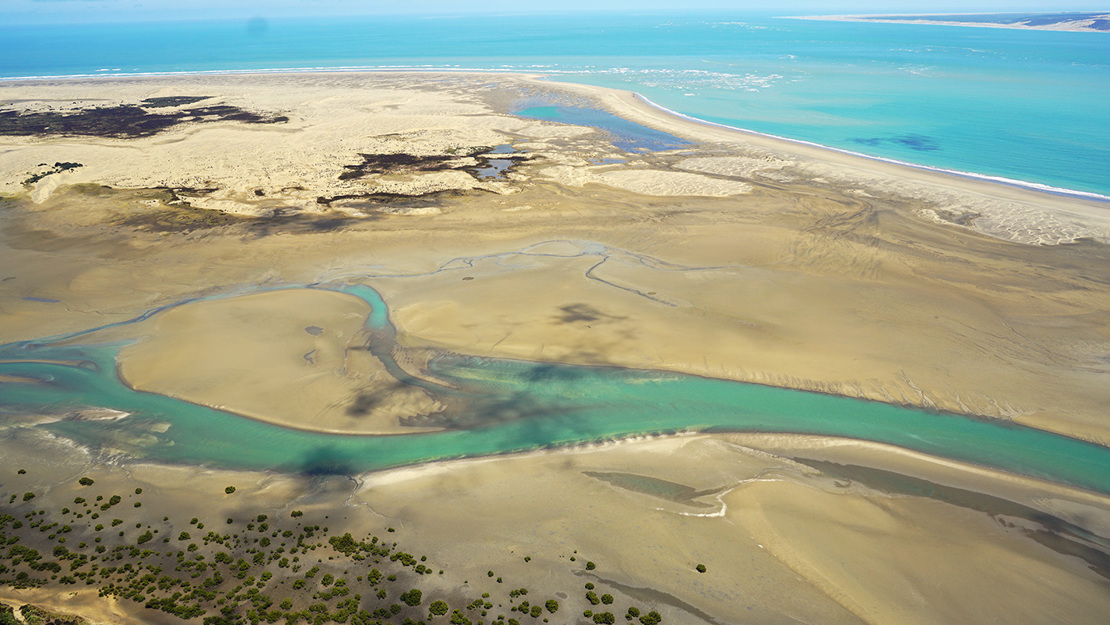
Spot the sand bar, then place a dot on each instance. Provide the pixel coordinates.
(1089, 23)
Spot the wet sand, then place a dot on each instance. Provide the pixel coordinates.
(740, 257)
(782, 542)
(302, 353)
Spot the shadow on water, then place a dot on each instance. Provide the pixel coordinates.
(326, 460)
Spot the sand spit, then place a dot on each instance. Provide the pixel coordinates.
(1087, 23)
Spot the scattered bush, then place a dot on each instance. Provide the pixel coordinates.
(85, 481)
(229, 490)
(412, 597)
(437, 608)
(700, 568)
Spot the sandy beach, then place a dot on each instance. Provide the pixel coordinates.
(740, 256)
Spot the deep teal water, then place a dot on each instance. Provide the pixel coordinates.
(498, 406)
(1023, 105)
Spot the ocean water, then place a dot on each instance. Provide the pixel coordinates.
(498, 406)
(1028, 106)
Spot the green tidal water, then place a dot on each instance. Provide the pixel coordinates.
(499, 406)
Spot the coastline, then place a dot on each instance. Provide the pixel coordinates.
(967, 180)
(1021, 184)
(543, 76)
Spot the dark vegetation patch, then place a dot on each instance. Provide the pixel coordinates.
(372, 201)
(124, 121)
(170, 101)
(34, 615)
(402, 164)
(56, 169)
(252, 568)
(456, 159)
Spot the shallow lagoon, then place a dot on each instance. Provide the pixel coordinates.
(626, 135)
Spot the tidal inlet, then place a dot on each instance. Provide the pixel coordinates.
(483, 317)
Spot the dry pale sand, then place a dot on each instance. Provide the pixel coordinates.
(741, 257)
(1074, 25)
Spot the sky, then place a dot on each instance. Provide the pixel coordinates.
(128, 10)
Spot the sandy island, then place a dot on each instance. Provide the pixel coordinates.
(1089, 23)
(741, 257)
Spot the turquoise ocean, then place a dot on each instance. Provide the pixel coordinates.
(1027, 106)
